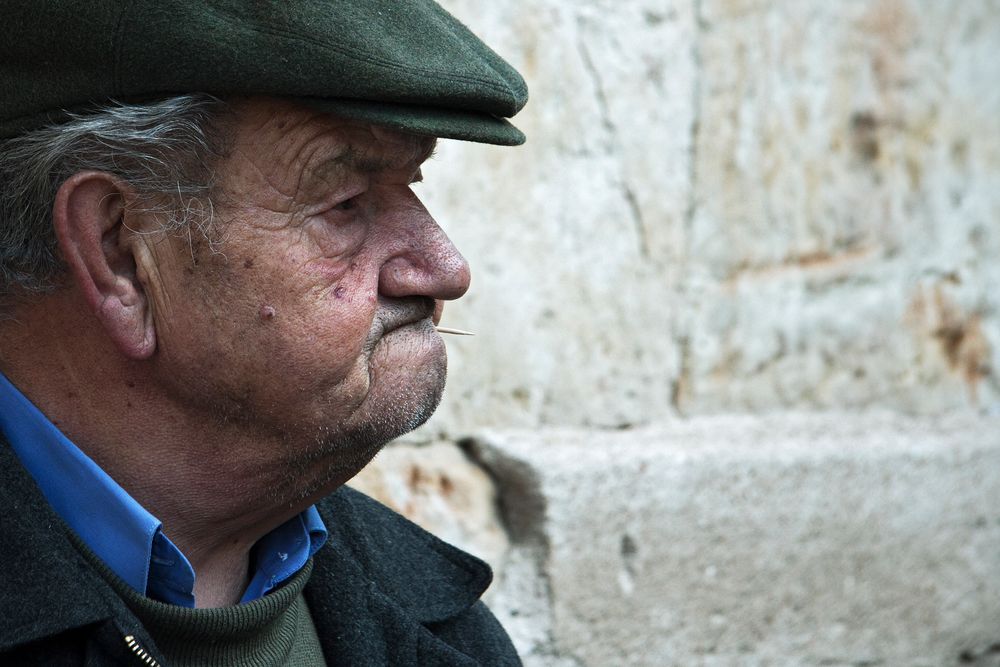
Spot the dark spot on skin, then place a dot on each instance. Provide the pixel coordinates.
(130, 384)
(339, 292)
(446, 485)
(267, 312)
(128, 404)
(248, 264)
(188, 270)
(71, 394)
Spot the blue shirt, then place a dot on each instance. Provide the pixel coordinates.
(119, 530)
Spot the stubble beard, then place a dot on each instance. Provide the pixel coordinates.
(340, 451)
(289, 458)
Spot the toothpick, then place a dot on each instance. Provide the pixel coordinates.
(457, 332)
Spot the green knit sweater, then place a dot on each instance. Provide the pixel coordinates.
(273, 631)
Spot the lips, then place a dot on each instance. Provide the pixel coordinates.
(396, 313)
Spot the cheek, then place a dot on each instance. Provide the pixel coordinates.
(319, 329)
(334, 261)
(298, 319)
(336, 242)
(294, 357)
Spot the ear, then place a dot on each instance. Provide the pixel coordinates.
(88, 217)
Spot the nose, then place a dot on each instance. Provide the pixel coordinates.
(424, 263)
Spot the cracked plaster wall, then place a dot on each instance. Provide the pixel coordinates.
(724, 206)
(730, 206)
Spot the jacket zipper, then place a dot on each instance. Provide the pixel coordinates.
(140, 652)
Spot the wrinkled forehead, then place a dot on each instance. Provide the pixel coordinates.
(373, 148)
(282, 133)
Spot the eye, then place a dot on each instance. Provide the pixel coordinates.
(347, 205)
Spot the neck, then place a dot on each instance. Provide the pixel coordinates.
(216, 487)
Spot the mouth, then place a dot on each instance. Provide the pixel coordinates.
(398, 313)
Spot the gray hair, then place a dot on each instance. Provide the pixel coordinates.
(164, 150)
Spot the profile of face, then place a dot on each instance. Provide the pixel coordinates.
(307, 313)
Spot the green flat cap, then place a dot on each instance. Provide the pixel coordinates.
(407, 64)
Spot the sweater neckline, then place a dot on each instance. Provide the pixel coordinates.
(200, 624)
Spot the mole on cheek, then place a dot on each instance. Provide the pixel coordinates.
(267, 312)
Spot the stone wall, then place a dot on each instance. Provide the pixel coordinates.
(753, 207)
(730, 206)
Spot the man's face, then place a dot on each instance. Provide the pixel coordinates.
(309, 316)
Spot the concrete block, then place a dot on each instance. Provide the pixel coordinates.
(836, 539)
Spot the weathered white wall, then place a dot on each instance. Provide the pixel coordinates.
(838, 540)
(730, 205)
(760, 207)
(799, 540)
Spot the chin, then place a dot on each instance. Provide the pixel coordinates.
(406, 403)
(339, 452)
(397, 403)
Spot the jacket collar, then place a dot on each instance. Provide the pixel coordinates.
(48, 588)
(428, 579)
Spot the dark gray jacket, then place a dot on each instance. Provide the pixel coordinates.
(383, 591)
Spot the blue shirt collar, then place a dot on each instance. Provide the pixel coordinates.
(119, 530)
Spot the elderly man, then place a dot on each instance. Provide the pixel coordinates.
(219, 295)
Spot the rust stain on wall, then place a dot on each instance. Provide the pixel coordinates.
(958, 334)
(836, 262)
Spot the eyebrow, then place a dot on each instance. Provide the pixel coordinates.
(367, 164)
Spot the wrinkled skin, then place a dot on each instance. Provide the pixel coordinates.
(309, 316)
(228, 381)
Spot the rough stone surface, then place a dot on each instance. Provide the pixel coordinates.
(576, 237)
(730, 205)
(436, 486)
(785, 540)
(846, 225)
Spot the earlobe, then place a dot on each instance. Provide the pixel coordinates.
(88, 217)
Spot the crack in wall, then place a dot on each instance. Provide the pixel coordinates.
(695, 130)
(590, 66)
(637, 218)
(681, 383)
(614, 145)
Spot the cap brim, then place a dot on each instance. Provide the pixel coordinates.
(427, 121)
